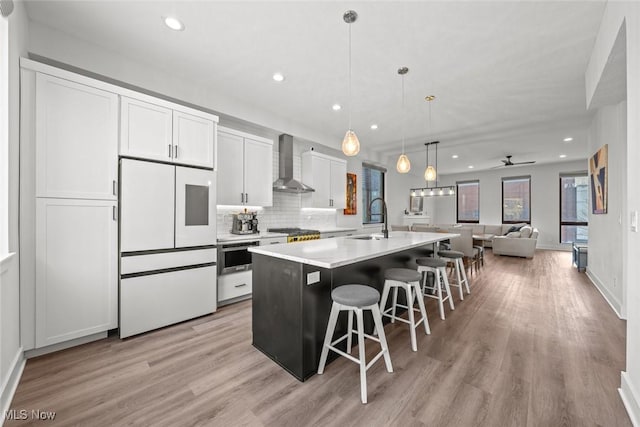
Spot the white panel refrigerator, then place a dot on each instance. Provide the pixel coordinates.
(167, 244)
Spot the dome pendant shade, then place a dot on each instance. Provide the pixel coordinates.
(430, 173)
(403, 165)
(350, 144)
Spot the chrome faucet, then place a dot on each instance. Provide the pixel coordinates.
(385, 230)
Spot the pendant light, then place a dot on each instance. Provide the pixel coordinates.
(430, 173)
(403, 165)
(350, 143)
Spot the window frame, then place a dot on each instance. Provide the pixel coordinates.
(569, 223)
(467, 221)
(516, 178)
(365, 206)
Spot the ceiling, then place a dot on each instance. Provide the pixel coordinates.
(508, 76)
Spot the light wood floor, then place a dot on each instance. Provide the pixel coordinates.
(535, 344)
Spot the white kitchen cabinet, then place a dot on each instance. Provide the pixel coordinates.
(245, 169)
(193, 140)
(146, 130)
(76, 269)
(76, 133)
(234, 286)
(160, 132)
(328, 176)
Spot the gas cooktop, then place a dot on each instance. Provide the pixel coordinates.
(293, 231)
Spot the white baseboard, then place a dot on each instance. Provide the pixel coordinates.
(65, 345)
(612, 300)
(630, 398)
(562, 248)
(11, 384)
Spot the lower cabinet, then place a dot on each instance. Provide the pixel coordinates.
(76, 269)
(234, 286)
(154, 300)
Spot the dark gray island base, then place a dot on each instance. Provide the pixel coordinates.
(290, 316)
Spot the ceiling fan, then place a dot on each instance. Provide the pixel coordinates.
(508, 162)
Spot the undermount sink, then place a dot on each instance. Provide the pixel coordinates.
(368, 237)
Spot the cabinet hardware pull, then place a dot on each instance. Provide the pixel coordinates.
(246, 197)
(242, 197)
(175, 151)
(169, 150)
(241, 285)
(115, 186)
(115, 213)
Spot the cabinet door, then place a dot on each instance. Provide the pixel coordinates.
(76, 269)
(193, 140)
(321, 182)
(338, 184)
(195, 207)
(258, 173)
(147, 206)
(146, 130)
(230, 182)
(76, 140)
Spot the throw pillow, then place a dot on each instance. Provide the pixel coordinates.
(526, 231)
(516, 227)
(514, 234)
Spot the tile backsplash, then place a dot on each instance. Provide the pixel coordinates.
(286, 210)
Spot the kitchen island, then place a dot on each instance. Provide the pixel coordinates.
(292, 286)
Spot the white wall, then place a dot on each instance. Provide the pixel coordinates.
(11, 358)
(628, 14)
(605, 266)
(398, 190)
(545, 187)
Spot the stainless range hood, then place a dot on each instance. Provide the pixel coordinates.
(285, 182)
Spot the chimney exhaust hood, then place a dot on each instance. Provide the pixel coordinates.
(285, 182)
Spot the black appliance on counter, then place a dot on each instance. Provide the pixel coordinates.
(296, 234)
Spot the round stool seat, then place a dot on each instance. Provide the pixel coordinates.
(431, 262)
(355, 295)
(402, 275)
(451, 254)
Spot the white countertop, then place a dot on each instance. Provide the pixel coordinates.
(228, 237)
(332, 253)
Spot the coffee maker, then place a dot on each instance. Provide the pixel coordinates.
(245, 223)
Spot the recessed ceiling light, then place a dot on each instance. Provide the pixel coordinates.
(374, 126)
(173, 23)
(470, 166)
(455, 156)
(568, 139)
(562, 156)
(336, 107)
(278, 77)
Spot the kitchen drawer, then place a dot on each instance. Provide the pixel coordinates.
(156, 300)
(151, 262)
(273, 240)
(234, 285)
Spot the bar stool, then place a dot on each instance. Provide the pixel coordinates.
(355, 298)
(456, 258)
(480, 261)
(409, 280)
(439, 269)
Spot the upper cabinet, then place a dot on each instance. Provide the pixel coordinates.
(159, 132)
(76, 133)
(328, 176)
(245, 169)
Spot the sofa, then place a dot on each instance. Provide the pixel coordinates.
(504, 243)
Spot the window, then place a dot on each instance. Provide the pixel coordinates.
(574, 208)
(372, 188)
(516, 200)
(468, 206)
